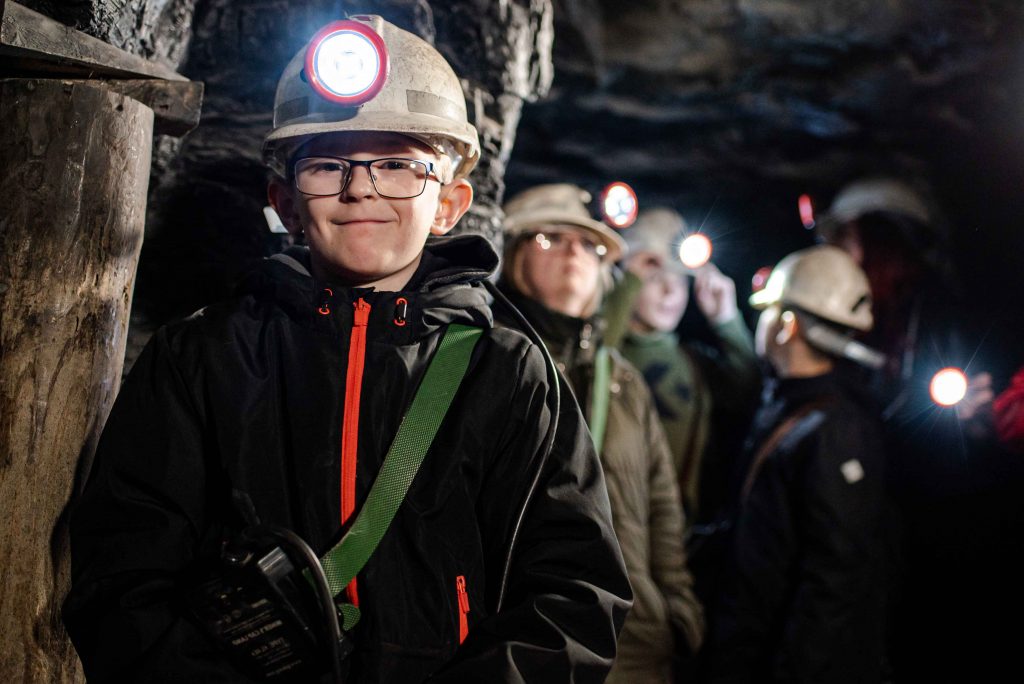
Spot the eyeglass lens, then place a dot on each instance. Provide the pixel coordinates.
(394, 178)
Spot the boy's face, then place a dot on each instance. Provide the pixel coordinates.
(357, 236)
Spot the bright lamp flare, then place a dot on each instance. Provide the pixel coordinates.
(948, 387)
(695, 251)
(619, 205)
(347, 63)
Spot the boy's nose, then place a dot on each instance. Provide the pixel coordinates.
(359, 184)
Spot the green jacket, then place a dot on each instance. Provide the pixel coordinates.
(698, 391)
(646, 509)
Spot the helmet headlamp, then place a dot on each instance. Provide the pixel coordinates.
(619, 205)
(347, 63)
(695, 250)
(948, 387)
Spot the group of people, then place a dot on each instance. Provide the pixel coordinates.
(553, 478)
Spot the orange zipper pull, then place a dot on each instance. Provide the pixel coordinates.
(460, 588)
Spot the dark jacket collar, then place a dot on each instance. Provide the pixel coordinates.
(445, 288)
(572, 341)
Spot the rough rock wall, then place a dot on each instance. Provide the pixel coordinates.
(702, 93)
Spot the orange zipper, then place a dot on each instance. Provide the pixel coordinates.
(350, 427)
(460, 587)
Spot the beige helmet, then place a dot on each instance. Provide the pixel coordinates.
(419, 96)
(826, 282)
(660, 230)
(559, 204)
(878, 194)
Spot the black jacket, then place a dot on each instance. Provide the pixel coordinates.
(805, 597)
(249, 397)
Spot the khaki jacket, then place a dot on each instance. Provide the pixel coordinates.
(666, 618)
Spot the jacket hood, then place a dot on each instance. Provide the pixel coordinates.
(446, 287)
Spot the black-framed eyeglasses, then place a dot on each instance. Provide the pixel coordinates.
(392, 177)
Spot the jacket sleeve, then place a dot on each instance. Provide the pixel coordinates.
(731, 370)
(830, 623)
(668, 553)
(135, 526)
(567, 593)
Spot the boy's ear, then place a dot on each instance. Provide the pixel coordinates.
(453, 203)
(788, 327)
(282, 198)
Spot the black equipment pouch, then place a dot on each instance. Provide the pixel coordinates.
(263, 613)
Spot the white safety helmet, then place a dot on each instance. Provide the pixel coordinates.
(559, 204)
(878, 194)
(660, 230)
(826, 282)
(366, 74)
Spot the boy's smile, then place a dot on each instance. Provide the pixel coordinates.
(357, 236)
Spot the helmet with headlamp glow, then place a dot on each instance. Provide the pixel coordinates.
(366, 74)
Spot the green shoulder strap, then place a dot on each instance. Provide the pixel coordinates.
(415, 435)
(600, 398)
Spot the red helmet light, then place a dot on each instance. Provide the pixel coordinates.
(619, 205)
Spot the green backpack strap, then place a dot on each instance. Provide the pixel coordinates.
(415, 434)
(600, 397)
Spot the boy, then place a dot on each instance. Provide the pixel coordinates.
(500, 563)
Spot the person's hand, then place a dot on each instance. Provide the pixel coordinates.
(644, 264)
(978, 398)
(716, 294)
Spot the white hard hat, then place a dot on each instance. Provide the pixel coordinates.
(559, 204)
(824, 281)
(876, 195)
(410, 89)
(658, 229)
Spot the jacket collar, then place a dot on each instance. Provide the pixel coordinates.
(571, 341)
(446, 288)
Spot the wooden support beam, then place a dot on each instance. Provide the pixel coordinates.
(47, 44)
(176, 104)
(32, 44)
(74, 169)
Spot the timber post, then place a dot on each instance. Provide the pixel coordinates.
(77, 118)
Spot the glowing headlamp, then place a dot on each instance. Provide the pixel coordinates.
(347, 63)
(806, 211)
(695, 250)
(760, 278)
(948, 387)
(619, 205)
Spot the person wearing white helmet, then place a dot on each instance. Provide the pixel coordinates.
(556, 270)
(805, 594)
(353, 412)
(703, 392)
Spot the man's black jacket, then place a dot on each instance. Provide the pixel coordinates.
(248, 398)
(805, 596)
